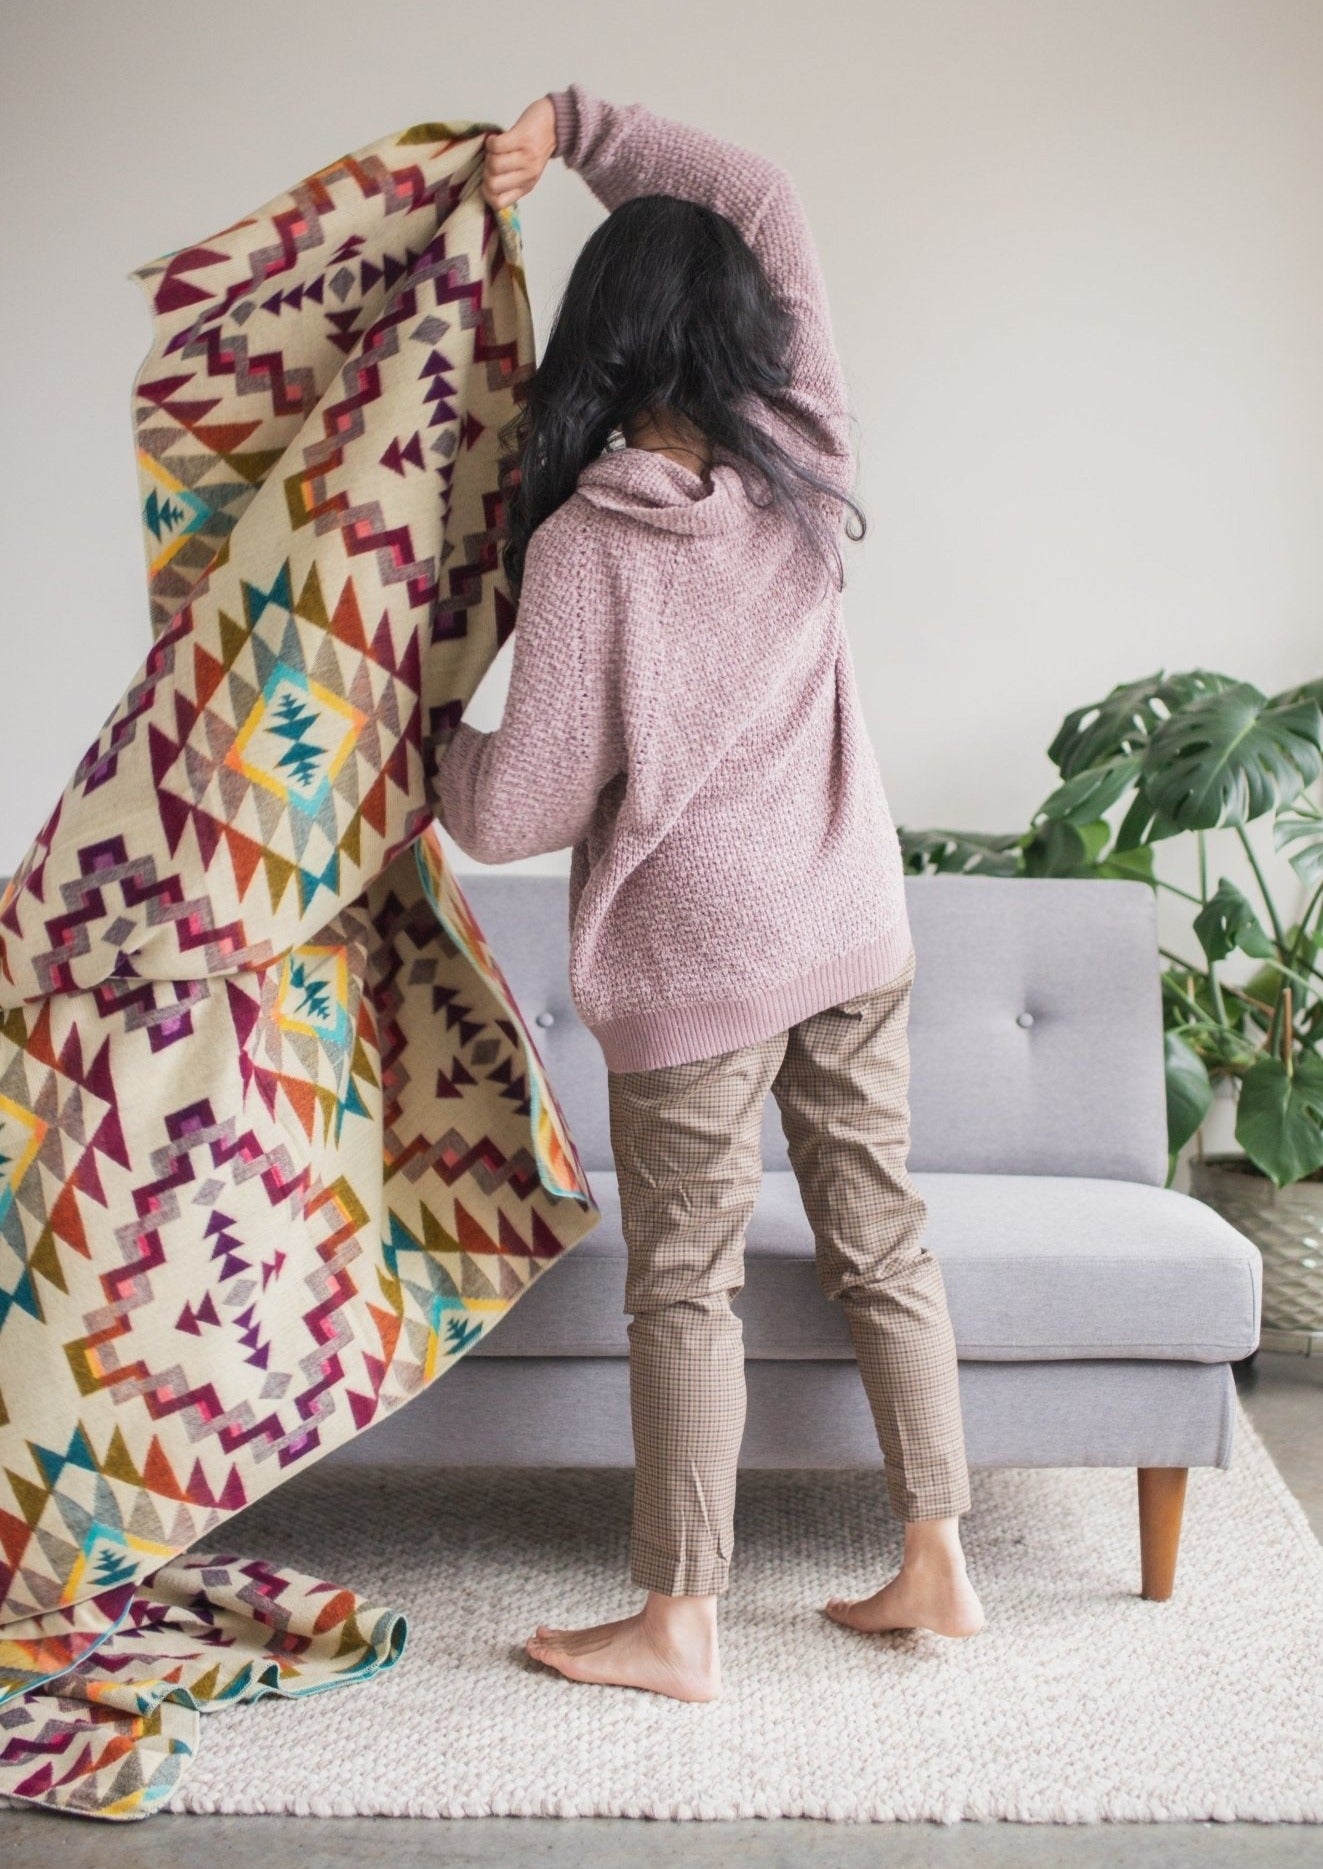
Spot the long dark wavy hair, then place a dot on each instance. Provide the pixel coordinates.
(667, 308)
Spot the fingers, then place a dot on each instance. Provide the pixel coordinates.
(514, 159)
(508, 173)
(501, 153)
(500, 191)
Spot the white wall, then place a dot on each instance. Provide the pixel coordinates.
(1075, 258)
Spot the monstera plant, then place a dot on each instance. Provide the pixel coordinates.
(1193, 755)
(1188, 754)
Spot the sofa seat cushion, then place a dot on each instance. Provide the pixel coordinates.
(1035, 1267)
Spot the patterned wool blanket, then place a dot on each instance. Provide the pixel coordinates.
(276, 1144)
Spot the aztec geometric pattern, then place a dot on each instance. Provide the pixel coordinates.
(276, 1145)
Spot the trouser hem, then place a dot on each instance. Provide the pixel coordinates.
(948, 1503)
(655, 1569)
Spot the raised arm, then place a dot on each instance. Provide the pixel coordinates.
(624, 150)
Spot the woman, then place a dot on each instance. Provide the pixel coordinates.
(682, 710)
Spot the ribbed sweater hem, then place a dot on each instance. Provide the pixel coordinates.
(642, 1041)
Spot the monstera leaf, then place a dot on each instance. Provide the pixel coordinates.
(1227, 920)
(1230, 756)
(1126, 719)
(962, 853)
(1144, 824)
(1279, 1122)
(1299, 832)
(1189, 1091)
(1059, 848)
(1086, 796)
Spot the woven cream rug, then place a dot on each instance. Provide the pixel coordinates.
(1078, 1702)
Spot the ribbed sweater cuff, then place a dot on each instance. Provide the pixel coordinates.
(567, 123)
(454, 787)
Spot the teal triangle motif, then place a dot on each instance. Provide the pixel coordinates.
(309, 883)
(80, 1453)
(50, 1463)
(255, 599)
(25, 1296)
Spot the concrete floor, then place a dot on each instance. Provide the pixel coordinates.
(1284, 1398)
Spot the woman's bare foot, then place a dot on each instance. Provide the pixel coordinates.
(669, 1647)
(931, 1590)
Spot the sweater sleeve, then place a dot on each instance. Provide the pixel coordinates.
(624, 150)
(529, 786)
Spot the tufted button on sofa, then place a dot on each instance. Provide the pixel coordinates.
(1096, 1312)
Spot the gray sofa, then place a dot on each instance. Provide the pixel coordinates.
(1096, 1313)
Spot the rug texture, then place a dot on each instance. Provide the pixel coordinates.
(1078, 1702)
(276, 1144)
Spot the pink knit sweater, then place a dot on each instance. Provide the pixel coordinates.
(682, 706)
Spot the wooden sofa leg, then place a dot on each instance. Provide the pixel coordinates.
(1161, 1503)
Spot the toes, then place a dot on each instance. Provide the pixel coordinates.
(847, 1612)
(557, 1660)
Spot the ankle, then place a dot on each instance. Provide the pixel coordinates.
(681, 1618)
(933, 1545)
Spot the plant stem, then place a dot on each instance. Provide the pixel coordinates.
(1248, 999)
(1214, 984)
(1289, 974)
(1246, 1055)
(1288, 1033)
(1186, 895)
(1303, 929)
(1278, 931)
(1188, 999)
(1215, 993)
(1259, 1005)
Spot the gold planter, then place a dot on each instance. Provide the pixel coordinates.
(1286, 1224)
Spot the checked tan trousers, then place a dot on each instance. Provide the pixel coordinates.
(687, 1142)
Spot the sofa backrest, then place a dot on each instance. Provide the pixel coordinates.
(1076, 1088)
(1035, 1022)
